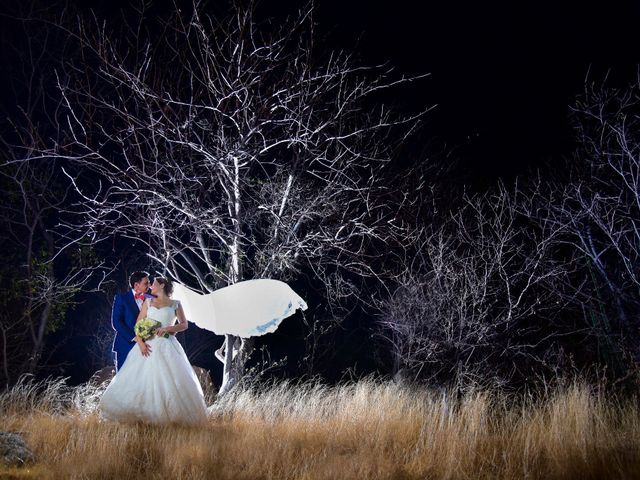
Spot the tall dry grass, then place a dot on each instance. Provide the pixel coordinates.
(364, 430)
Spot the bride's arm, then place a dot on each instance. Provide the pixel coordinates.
(143, 310)
(178, 327)
(141, 315)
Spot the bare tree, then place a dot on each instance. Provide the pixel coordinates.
(41, 276)
(559, 257)
(469, 304)
(233, 150)
(41, 273)
(599, 209)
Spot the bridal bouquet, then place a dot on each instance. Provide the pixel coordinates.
(146, 328)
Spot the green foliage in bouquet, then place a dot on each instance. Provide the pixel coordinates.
(146, 328)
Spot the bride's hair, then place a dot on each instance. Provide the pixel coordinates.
(167, 286)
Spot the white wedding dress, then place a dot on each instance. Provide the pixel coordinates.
(160, 388)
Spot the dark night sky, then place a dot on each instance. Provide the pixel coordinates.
(503, 75)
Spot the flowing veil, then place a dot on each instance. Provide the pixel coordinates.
(245, 309)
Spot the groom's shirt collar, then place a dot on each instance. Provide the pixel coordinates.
(138, 301)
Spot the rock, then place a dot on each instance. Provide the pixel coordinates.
(13, 449)
(402, 377)
(208, 388)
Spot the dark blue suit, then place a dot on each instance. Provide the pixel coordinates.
(123, 319)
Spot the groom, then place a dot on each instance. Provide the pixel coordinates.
(126, 307)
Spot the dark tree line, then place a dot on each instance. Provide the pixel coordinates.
(533, 281)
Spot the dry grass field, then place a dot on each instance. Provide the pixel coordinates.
(363, 430)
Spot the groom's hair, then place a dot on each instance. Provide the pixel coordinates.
(137, 277)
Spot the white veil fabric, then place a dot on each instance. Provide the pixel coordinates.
(245, 309)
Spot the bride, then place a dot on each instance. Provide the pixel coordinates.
(157, 384)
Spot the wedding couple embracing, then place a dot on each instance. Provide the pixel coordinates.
(154, 381)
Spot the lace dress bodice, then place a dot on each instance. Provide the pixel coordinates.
(165, 315)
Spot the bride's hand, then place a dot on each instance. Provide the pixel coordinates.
(162, 331)
(145, 349)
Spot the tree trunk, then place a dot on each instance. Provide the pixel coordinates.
(236, 350)
(5, 359)
(39, 340)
